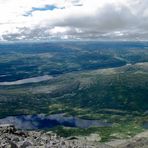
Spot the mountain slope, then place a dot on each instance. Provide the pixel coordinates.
(124, 88)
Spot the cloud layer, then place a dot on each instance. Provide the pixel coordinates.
(73, 19)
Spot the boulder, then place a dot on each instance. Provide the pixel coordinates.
(7, 128)
(26, 144)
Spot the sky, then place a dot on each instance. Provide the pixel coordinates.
(25, 20)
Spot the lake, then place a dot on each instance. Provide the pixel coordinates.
(41, 121)
(28, 80)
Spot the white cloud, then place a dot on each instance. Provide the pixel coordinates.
(73, 19)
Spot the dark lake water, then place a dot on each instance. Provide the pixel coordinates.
(42, 121)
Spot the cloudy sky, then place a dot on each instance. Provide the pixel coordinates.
(73, 20)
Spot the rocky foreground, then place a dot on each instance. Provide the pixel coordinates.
(10, 137)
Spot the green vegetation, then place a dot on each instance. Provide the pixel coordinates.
(103, 81)
(118, 131)
(109, 95)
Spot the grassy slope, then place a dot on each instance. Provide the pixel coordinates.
(124, 88)
(117, 95)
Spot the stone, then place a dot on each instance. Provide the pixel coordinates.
(13, 138)
(26, 144)
(13, 145)
(7, 128)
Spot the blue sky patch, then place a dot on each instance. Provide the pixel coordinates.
(47, 7)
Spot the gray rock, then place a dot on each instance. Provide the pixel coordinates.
(26, 144)
(12, 138)
(13, 145)
(7, 128)
(16, 139)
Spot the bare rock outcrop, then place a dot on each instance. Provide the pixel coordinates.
(10, 137)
